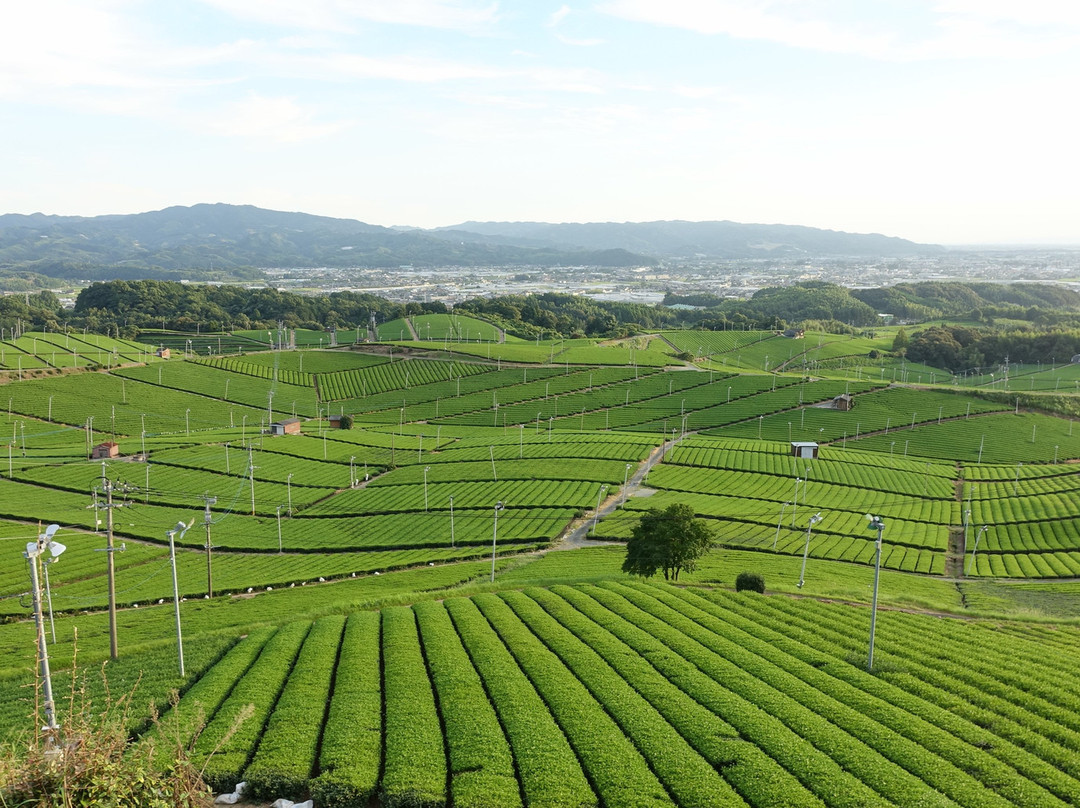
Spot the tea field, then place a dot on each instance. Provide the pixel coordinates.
(470, 455)
(635, 694)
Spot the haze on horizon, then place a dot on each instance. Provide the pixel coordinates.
(943, 121)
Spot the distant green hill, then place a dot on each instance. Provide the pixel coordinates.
(216, 242)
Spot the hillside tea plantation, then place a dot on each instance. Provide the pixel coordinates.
(428, 609)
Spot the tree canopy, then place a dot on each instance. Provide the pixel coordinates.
(671, 540)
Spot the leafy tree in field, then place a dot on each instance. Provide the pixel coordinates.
(900, 341)
(671, 540)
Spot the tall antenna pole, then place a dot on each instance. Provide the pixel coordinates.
(209, 500)
(251, 476)
(114, 652)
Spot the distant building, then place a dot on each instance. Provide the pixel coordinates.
(104, 451)
(289, 426)
(804, 449)
(163, 353)
(335, 421)
(793, 333)
(843, 402)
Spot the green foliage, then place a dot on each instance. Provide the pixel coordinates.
(90, 761)
(414, 774)
(670, 540)
(346, 421)
(750, 582)
(352, 741)
(224, 747)
(900, 341)
(288, 748)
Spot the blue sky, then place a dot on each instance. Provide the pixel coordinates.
(949, 121)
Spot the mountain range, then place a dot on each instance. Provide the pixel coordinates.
(219, 241)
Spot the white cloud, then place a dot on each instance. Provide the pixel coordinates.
(587, 42)
(558, 16)
(952, 29)
(279, 119)
(343, 15)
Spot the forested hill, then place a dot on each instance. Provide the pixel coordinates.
(223, 242)
(678, 239)
(1040, 303)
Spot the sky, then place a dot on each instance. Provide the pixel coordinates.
(943, 121)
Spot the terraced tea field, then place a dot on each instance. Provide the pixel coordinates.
(492, 691)
(631, 694)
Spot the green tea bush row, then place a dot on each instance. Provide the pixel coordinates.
(617, 770)
(351, 753)
(287, 750)
(223, 749)
(481, 765)
(688, 777)
(260, 371)
(954, 768)
(550, 774)
(840, 769)
(414, 774)
(991, 759)
(751, 772)
(202, 699)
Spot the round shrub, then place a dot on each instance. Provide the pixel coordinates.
(750, 582)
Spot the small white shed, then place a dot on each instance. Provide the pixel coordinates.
(807, 449)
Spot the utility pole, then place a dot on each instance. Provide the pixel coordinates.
(251, 477)
(107, 487)
(209, 500)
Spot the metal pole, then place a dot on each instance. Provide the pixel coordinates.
(176, 600)
(779, 521)
(452, 522)
(596, 513)
(806, 551)
(975, 549)
(494, 535)
(210, 547)
(48, 598)
(114, 652)
(43, 654)
(279, 528)
(878, 524)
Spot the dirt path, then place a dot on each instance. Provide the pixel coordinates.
(576, 534)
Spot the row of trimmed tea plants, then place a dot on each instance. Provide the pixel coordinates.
(634, 694)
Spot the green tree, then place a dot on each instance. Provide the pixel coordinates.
(671, 540)
(900, 341)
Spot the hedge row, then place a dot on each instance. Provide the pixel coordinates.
(688, 777)
(616, 768)
(960, 689)
(179, 726)
(225, 756)
(352, 741)
(781, 736)
(807, 646)
(286, 755)
(756, 776)
(899, 770)
(415, 770)
(550, 774)
(481, 766)
(959, 771)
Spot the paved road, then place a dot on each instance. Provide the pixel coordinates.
(578, 531)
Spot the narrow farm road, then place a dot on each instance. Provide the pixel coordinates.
(576, 534)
